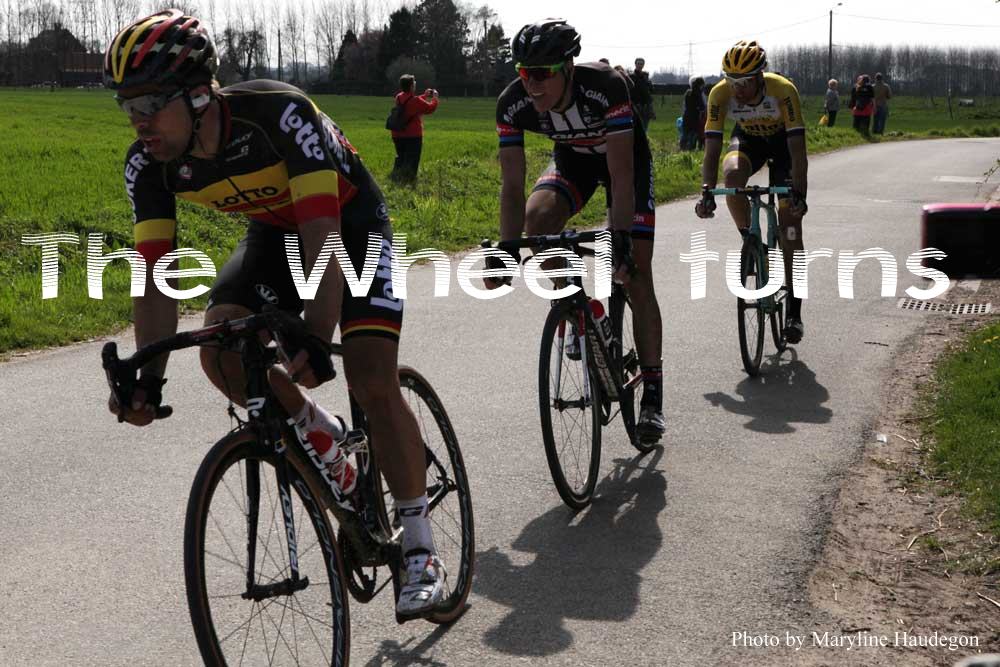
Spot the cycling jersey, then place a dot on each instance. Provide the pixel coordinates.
(778, 111)
(281, 162)
(600, 107)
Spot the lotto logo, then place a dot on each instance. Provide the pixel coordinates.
(305, 136)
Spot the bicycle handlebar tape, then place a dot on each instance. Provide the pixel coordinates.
(968, 233)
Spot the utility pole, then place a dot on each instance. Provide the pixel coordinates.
(829, 52)
(279, 54)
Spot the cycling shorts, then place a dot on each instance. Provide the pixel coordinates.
(758, 151)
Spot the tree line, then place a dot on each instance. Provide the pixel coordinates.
(911, 70)
(351, 46)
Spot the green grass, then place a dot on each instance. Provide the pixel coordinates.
(966, 422)
(62, 172)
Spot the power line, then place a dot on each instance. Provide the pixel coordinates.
(949, 25)
(727, 40)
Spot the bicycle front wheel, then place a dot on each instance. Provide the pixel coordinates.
(570, 406)
(625, 353)
(263, 575)
(749, 313)
(450, 503)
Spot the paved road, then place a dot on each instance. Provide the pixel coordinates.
(715, 534)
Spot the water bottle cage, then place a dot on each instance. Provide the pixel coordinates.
(355, 442)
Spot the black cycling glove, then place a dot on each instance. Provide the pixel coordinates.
(494, 262)
(621, 251)
(153, 386)
(293, 337)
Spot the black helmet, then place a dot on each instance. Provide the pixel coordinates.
(547, 42)
(167, 48)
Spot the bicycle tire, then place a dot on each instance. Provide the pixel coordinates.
(749, 315)
(626, 356)
(447, 491)
(214, 585)
(777, 317)
(577, 488)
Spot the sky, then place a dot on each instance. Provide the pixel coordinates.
(621, 30)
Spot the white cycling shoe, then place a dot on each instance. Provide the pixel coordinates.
(423, 585)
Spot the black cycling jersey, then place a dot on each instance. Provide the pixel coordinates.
(281, 162)
(600, 106)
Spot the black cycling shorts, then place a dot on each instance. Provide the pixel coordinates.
(577, 175)
(758, 151)
(258, 273)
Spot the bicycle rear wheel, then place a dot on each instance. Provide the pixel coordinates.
(570, 406)
(447, 492)
(749, 314)
(293, 609)
(625, 353)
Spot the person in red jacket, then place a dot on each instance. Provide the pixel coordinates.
(409, 141)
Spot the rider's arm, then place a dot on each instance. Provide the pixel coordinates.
(800, 162)
(622, 170)
(718, 104)
(710, 164)
(322, 312)
(512, 174)
(795, 129)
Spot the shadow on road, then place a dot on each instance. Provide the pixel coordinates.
(392, 652)
(784, 393)
(586, 565)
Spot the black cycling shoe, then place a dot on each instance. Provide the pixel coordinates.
(651, 424)
(794, 330)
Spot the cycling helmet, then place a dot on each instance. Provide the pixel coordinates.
(167, 48)
(744, 58)
(547, 42)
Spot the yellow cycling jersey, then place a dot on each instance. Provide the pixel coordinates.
(779, 110)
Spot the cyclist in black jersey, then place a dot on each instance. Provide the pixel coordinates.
(264, 149)
(586, 110)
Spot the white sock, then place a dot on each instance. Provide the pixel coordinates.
(312, 418)
(416, 524)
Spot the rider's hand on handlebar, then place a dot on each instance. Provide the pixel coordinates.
(798, 206)
(621, 256)
(493, 262)
(146, 399)
(705, 208)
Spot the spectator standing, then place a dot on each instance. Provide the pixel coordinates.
(692, 118)
(410, 140)
(863, 104)
(882, 94)
(832, 104)
(643, 92)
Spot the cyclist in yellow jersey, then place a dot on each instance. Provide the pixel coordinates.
(769, 130)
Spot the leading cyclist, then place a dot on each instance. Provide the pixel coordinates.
(262, 148)
(585, 108)
(769, 130)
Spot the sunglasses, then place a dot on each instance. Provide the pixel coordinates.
(147, 105)
(741, 81)
(538, 72)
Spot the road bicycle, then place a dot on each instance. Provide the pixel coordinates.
(265, 571)
(588, 372)
(754, 267)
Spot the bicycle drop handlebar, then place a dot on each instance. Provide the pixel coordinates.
(121, 373)
(567, 239)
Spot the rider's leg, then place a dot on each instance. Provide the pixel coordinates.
(790, 228)
(736, 171)
(647, 323)
(223, 367)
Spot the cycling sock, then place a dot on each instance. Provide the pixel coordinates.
(795, 307)
(744, 231)
(321, 429)
(652, 386)
(416, 525)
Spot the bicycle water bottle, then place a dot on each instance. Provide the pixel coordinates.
(327, 445)
(602, 320)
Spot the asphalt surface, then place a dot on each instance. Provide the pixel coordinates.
(713, 534)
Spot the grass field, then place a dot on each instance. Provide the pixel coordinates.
(62, 172)
(965, 422)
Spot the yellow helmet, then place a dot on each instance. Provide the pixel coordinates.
(744, 58)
